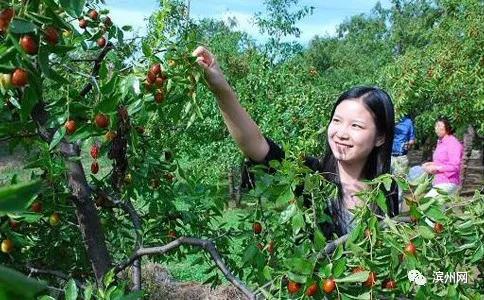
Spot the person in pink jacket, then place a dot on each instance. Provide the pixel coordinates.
(446, 160)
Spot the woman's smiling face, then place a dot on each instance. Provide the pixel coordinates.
(352, 133)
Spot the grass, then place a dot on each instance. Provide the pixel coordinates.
(12, 163)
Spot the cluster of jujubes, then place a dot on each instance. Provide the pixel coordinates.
(29, 43)
(155, 81)
(92, 19)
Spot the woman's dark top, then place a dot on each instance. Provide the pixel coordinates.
(340, 225)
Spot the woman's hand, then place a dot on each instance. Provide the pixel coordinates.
(213, 73)
(430, 167)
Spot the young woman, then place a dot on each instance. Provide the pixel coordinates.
(447, 159)
(359, 144)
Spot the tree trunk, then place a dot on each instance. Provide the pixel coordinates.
(468, 142)
(87, 216)
(88, 219)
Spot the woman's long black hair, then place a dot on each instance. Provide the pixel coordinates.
(379, 103)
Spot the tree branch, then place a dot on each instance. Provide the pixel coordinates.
(207, 245)
(59, 274)
(97, 66)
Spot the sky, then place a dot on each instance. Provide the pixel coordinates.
(326, 16)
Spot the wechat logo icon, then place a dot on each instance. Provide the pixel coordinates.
(417, 277)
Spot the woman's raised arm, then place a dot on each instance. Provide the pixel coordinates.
(239, 123)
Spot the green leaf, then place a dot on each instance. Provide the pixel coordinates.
(297, 277)
(326, 270)
(381, 201)
(426, 232)
(21, 26)
(391, 225)
(356, 250)
(427, 204)
(465, 225)
(452, 292)
(339, 267)
(38, 17)
(88, 292)
(338, 252)
(478, 255)
(267, 272)
(387, 183)
(135, 107)
(5, 55)
(58, 135)
(436, 214)
(355, 233)
(108, 103)
(15, 197)
(357, 277)
(146, 48)
(103, 71)
(249, 253)
(73, 7)
(71, 290)
(466, 246)
(297, 223)
(59, 49)
(28, 102)
(402, 184)
(19, 284)
(319, 240)
(119, 36)
(288, 213)
(107, 88)
(300, 265)
(285, 196)
(421, 188)
(129, 85)
(108, 278)
(364, 296)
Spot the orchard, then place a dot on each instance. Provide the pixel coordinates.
(125, 155)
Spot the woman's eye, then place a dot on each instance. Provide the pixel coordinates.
(335, 120)
(357, 126)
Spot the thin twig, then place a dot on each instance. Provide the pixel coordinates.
(55, 289)
(462, 204)
(207, 245)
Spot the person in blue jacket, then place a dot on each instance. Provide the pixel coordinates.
(403, 140)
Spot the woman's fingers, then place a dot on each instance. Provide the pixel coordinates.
(213, 73)
(204, 57)
(201, 62)
(198, 51)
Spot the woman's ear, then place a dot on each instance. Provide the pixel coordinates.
(380, 141)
